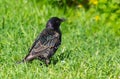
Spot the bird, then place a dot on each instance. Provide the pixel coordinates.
(47, 42)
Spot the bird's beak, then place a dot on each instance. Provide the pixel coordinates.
(63, 19)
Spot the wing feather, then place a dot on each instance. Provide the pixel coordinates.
(46, 40)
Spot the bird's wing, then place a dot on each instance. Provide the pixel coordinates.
(36, 40)
(47, 39)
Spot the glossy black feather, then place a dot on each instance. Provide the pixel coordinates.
(47, 42)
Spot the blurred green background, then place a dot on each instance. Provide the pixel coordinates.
(90, 38)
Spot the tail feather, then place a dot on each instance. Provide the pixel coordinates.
(28, 58)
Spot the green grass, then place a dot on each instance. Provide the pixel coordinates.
(90, 49)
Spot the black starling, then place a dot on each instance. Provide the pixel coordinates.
(47, 42)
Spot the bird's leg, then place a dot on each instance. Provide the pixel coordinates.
(47, 61)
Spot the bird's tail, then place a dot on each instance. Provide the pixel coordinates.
(22, 61)
(28, 58)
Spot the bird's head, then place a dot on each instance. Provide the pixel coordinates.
(54, 23)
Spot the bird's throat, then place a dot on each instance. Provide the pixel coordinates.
(49, 25)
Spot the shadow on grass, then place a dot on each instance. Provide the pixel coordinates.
(61, 57)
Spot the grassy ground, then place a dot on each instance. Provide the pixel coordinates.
(90, 44)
